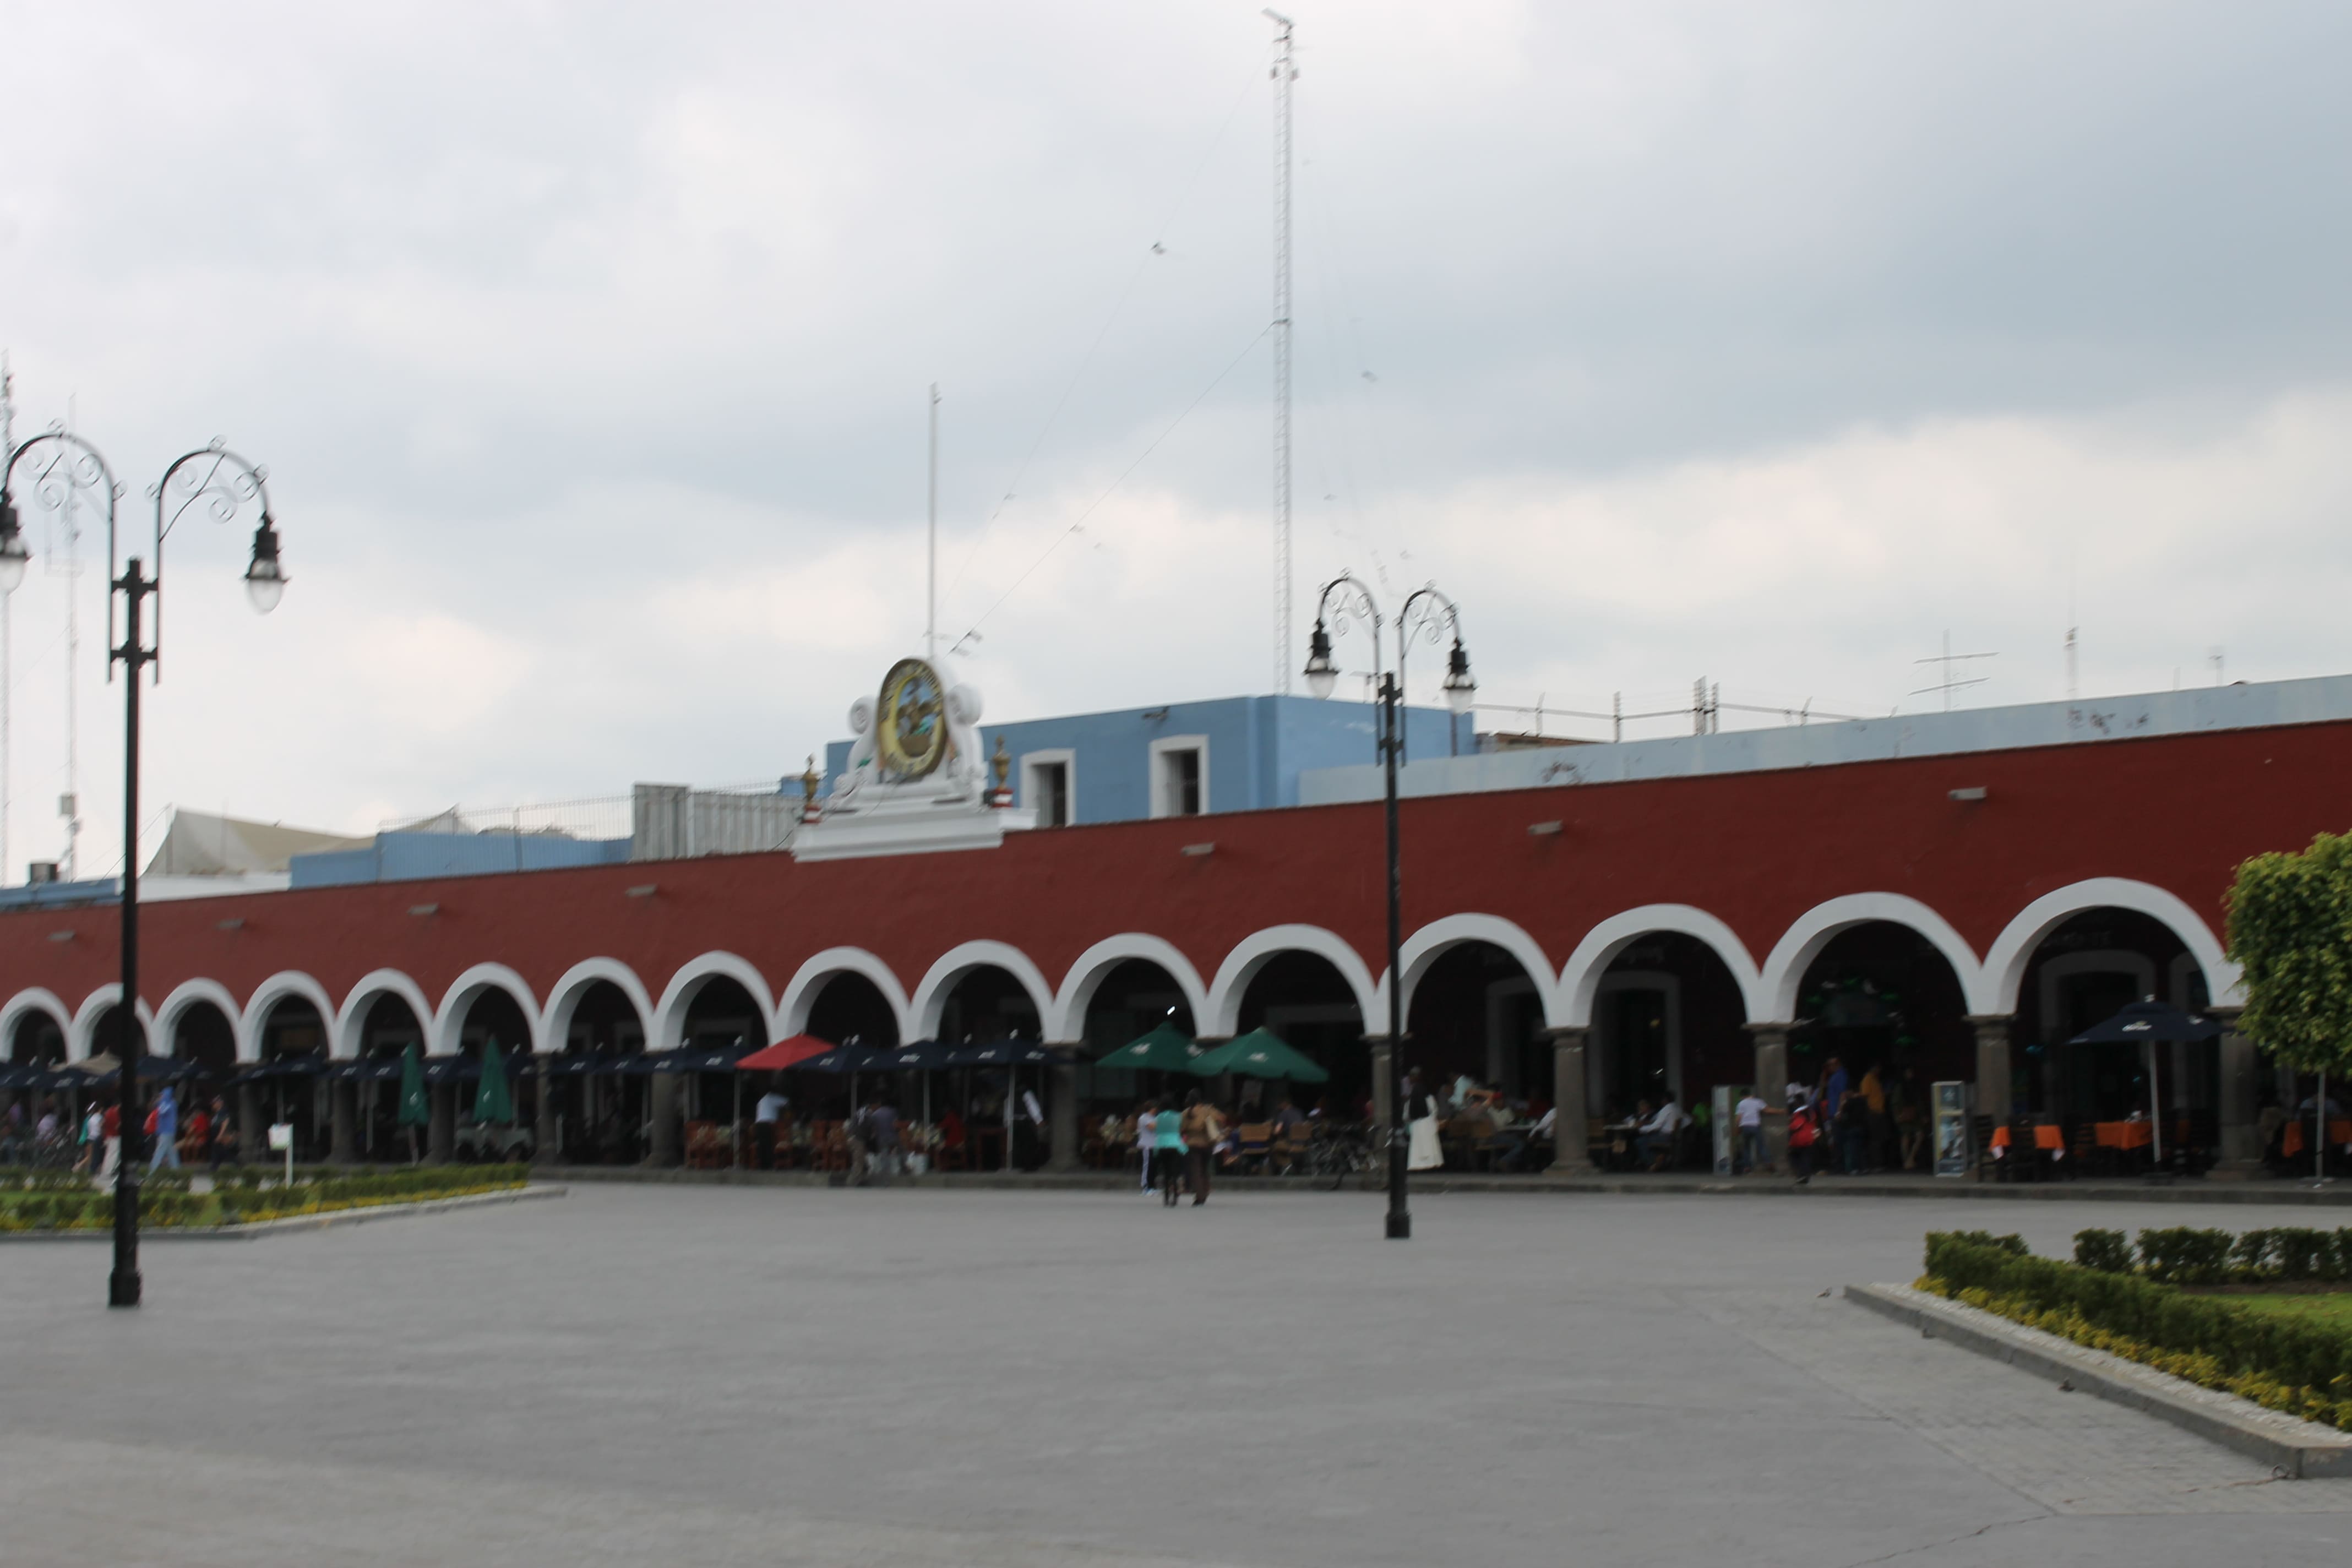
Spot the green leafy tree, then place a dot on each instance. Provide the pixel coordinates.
(2290, 928)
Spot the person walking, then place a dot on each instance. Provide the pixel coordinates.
(1147, 1133)
(1750, 1114)
(111, 1134)
(763, 1125)
(882, 1128)
(1423, 1149)
(1200, 1128)
(163, 1128)
(221, 1138)
(93, 1139)
(1168, 1153)
(1802, 1122)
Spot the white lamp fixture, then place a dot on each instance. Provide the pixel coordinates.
(13, 554)
(1461, 689)
(1322, 675)
(265, 585)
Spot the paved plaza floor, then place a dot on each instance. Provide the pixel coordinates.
(664, 1374)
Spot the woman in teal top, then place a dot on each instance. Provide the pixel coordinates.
(1168, 1154)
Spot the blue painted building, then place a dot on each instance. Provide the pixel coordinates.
(1191, 759)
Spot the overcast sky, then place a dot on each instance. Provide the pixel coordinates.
(587, 347)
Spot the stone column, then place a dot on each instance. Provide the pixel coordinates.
(664, 1144)
(1061, 1107)
(1772, 1089)
(1992, 1064)
(252, 1138)
(543, 1128)
(2241, 1154)
(1568, 1097)
(342, 1123)
(441, 1132)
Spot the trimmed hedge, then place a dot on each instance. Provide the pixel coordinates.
(2286, 1254)
(2301, 1368)
(78, 1207)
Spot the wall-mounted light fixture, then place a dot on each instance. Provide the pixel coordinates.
(236, 924)
(643, 891)
(423, 910)
(61, 936)
(1196, 850)
(1543, 829)
(1974, 793)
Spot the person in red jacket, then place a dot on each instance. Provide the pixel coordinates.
(1804, 1130)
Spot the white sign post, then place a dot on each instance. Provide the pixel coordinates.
(281, 1136)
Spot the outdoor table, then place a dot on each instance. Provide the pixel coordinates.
(2046, 1138)
(2339, 1132)
(2124, 1135)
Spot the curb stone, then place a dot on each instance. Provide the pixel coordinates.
(300, 1222)
(2297, 1450)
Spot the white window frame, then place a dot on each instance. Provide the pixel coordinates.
(1069, 761)
(1160, 805)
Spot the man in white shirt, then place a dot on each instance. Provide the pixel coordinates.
(1749, 1116)
(1656, 1141)
(765, 1117)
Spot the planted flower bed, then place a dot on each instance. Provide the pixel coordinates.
(2114, 1301)
(53, 1201)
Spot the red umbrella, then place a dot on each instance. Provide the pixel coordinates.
(784, 1055)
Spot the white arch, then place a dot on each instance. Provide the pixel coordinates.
(82, 1039)
(268, 994)
(791, 1015)
(187, 995)
(362, 997)
(449, 1022)
(35, 999)
(668, 1022)
(1258, 949)
(1425, 947)
(1580, 978)
(2013, 949)
(563, 1001)
(1085, 976)
(1784, 970)
(932, 996)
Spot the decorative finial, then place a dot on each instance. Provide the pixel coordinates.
(809, 783)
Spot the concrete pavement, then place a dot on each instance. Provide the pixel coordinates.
(657, 1373)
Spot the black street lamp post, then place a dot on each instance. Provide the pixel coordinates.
(65, 469)
(1355, 602)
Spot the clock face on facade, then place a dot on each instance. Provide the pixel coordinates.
(910, 724)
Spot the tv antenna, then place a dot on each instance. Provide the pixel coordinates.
(1952, 682)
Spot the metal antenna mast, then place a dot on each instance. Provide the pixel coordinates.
(69, 803)
(1951, 683)
(1285, 73)
(931, 573)
(7, 673)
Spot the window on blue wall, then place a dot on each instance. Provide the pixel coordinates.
(1180, 776)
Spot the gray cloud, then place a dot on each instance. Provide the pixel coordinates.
(571, 333)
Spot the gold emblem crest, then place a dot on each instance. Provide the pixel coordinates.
(910, 725)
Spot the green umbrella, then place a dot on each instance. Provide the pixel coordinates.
(1259, 1054)
(414, 1110)
(1167, 1048)
(493, 1105)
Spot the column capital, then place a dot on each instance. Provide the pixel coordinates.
(1762, 1028)
(1988, 1020)
(1209, 1042)
(1569, 1034)
(2226, 1015)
